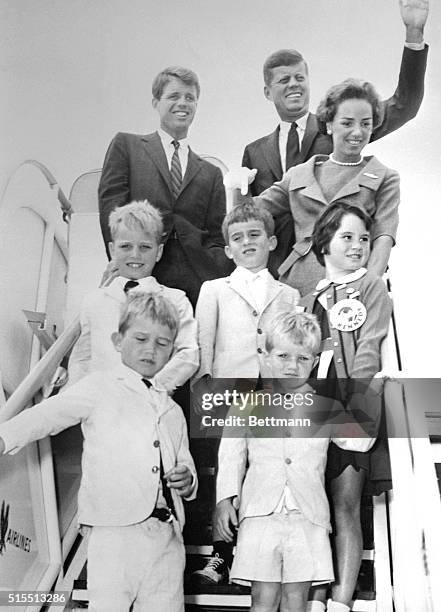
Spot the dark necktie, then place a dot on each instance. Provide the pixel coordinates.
(131, 284)
(176, 170)
(292, 147)
(165, 489)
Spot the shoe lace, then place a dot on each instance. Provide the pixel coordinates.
(214, 562)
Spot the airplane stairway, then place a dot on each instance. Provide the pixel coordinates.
(402, 529)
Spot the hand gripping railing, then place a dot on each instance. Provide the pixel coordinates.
(41, 373)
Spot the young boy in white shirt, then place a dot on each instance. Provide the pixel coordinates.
(273, 488)
(232, 314)
(136, 230)
(136, 464)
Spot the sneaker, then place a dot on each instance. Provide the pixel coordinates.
(214, 572)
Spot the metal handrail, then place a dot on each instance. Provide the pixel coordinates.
(41, 373)
(66, 206)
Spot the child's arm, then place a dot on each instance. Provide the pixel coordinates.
(47, 418)
(207, 320)
(185, 358)
(225, 517)
(232, 460)
(379, 309)
(185, 481)
(384, 230)
(81, 355)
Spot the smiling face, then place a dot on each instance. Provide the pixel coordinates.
(145, 346)
(351, 129)
(176, 107)
(348, 249)
(289, 90)
(249, 245)
(135, 252)
(290, 361)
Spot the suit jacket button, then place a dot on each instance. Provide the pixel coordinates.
(288, 461)
(255, 313)
(335, 343)
(259, 331)
(339, 360)
(155, 469)
(259, 350)
(156, 443)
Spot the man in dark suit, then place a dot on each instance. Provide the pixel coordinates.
(297, 137)
(161, 168)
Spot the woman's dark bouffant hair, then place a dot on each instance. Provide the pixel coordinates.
(348, 90)
(329, 222)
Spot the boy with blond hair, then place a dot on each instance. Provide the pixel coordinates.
(136, 230)
(232, 314)
(136, 466)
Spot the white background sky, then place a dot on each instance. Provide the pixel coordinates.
(76, 71)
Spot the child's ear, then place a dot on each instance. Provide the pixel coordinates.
(159, 253)
(228, 252)
(272, 243)
(116, 340)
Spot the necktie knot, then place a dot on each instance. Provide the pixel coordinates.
(131, 284)
(176, 144)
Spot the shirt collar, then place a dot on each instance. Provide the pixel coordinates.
(348, 278)
(166, 140)
(148, 283)
(285, 126)
(245, 275)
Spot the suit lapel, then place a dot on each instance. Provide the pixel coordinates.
(309, 136)
(273, 290)
(371, 176)
(304, 179)
(154, 149)
(193, 167)
(238, 287)
(270, 150)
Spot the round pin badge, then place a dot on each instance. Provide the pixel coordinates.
(347, 315)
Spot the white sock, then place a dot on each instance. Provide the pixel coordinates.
(336, 606)
(315, 606)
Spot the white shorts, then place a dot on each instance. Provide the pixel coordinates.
(282, 547)
(140, 564)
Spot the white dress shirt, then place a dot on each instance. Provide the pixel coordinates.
(284, 128)
(169, 149)
(255, 284)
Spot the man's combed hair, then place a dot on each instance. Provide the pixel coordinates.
(283, 57)
(137, 215)
(329, 222)
(299, 327)
(248, 211)
(187, 76)
(151, 306)
(348, 90)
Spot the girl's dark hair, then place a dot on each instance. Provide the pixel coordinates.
(329, 222)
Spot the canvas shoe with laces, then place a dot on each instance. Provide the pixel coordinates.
(214, 572)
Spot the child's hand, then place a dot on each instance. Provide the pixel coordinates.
(240, 179)
(180, 478)
(225, 518)
(110, 273)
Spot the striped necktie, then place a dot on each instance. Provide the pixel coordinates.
(292, 147)
(176, 170)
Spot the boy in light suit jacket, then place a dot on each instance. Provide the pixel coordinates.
(277, 483)
(136, 246)
(232, 314)
(136, 464)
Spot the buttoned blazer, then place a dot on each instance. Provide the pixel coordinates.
(135, 168)
(256, 470)
(357, 353)
(122, 422)
(375, 189)
(231, 331)
(99, 317)
(402, 106)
